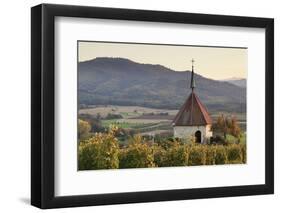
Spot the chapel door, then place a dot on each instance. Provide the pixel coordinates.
(198, 136)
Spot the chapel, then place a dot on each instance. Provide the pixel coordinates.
(193, 119)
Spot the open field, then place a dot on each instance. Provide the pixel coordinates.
(144, 112)
(125, 111)
(144, 120)
(239, 116)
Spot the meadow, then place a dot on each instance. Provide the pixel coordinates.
(143, 120)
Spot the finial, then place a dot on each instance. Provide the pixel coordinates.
(192, 61)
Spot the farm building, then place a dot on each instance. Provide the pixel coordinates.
(193, 119)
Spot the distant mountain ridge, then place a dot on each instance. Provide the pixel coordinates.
(120, 81)
(240, 82)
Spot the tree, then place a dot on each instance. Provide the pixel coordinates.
(220, 125)
(234, 128)
(227, 125)
(83, 129)
(94, 121)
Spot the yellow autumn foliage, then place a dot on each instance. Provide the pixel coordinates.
(102, 151)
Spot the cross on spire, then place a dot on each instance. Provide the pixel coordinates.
(192, 82)
(192, 61)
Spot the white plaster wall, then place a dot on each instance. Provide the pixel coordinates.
(189, 131)
(209, 133)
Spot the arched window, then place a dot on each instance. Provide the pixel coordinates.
(198, 136)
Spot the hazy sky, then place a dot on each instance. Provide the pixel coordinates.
(211, 62)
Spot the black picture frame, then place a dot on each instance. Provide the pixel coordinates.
(43, 102)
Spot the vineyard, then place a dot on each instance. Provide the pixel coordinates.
(102, 151)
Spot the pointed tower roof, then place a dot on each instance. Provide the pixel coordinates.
(192, 82)
(192, 112)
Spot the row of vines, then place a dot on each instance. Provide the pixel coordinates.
(102, 151)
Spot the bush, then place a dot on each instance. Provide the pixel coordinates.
(85, 155)
(197, 155)
(94, 121)
(217, 140)
(210, 155)
(176, 155)
(234, 154)
(83, 129)
(244, 152)
(113, 116)
(137, 155)
(168, 143)
(102, 151)
(159, 154)
(221, 157)
(99, 152)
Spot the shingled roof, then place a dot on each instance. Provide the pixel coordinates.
(192, 113)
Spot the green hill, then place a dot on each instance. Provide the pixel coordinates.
(119, 81)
